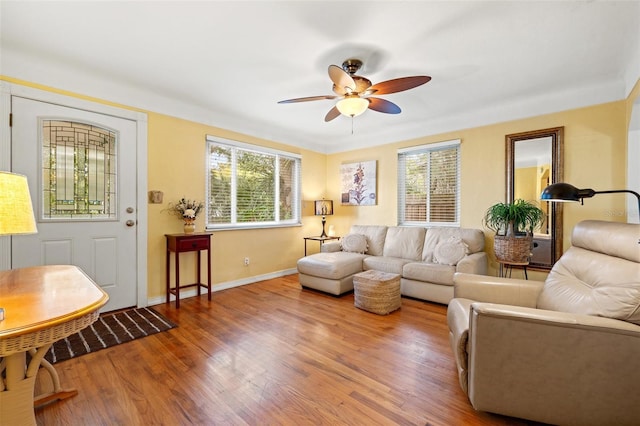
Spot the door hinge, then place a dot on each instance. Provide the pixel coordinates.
(10, 119)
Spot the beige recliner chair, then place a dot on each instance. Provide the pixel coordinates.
(566, 351)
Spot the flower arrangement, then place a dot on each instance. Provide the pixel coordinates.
(186, 210)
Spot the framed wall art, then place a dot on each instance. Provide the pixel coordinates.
(358, 184)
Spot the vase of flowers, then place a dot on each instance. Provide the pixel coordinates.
(187, 210)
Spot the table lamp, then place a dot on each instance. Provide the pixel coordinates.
(563, 192)
(324, 208)
(16, 211)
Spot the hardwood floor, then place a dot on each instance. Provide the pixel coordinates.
(273, 353)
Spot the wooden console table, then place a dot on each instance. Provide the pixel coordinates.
(180, 243)
(42, 304)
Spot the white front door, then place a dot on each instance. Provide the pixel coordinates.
(81, 168)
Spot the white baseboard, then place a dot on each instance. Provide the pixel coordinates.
(223, 286)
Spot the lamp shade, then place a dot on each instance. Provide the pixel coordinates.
(564, 192)
(324, 207)
(352, 105)
(16, 211)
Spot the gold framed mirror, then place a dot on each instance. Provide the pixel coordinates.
(534, 160)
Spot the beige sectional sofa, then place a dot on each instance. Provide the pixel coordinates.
(425, 258)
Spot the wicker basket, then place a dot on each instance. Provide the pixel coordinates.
(45, 336)
(377, 292)
(513, 249)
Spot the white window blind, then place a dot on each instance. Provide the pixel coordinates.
(429, 184)
(251, 186)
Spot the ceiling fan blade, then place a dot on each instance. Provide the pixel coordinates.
(307, 99)
(341, 78)
(383, 105)
(399, 84)
(333, 113)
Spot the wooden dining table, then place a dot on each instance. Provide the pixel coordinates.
(42, 304)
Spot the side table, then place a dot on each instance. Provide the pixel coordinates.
(506, 268)
(180, 243)
(42, 304)
(321, 239)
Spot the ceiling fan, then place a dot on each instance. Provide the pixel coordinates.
(354, 92)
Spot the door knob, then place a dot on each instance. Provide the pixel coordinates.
(130, 222)
(129, 209)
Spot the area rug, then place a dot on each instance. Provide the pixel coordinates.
(110, 329)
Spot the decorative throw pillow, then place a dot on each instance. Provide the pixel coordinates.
(450, 251)
(354, 243)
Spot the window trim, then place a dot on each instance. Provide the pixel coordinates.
(437, 146)
(297, 190)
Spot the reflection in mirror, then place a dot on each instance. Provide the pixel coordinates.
(534, 161)
(532, 173)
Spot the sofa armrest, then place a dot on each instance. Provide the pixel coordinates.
(331, 247)
(556, 319)
(474, 263)
(508, 291)
(458, 321)
(543, 365)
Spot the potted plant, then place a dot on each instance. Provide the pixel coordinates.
(513, 224)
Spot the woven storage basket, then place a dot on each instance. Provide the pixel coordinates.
(377, 292)
(514, 250)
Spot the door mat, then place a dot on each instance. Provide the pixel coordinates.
(108, 330)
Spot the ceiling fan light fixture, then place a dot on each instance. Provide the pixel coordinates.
(352, 106)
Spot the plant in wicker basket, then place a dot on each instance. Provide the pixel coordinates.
(513, 224)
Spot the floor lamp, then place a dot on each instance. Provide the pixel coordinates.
(566, 192)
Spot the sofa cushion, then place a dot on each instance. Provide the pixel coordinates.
(355, 243)
(375, 237)
(331, 265)
(599, 274)
(404, 242)
(429, 272)
(450, 251)
(473, 238)
(385, 264)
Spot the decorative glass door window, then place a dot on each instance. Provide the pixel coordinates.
(78, 171)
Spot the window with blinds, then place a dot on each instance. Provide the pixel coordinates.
(429, 185)
(251, 186)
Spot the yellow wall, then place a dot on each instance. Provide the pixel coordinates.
(525, 183)
(595, 157)
(633, 96)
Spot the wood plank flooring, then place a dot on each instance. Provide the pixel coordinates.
(272, 353)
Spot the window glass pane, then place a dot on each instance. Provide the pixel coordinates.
(220, 172)
(287, 171)
(78, 171)
(443, 186)
(256, 187)
(416, 188)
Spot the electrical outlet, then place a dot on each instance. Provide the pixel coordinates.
(246, 261)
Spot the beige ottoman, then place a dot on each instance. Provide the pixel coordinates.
(376, 291)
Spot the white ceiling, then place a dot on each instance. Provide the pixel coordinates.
(228, 63)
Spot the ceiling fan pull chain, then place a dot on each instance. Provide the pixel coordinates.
(352, 124)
